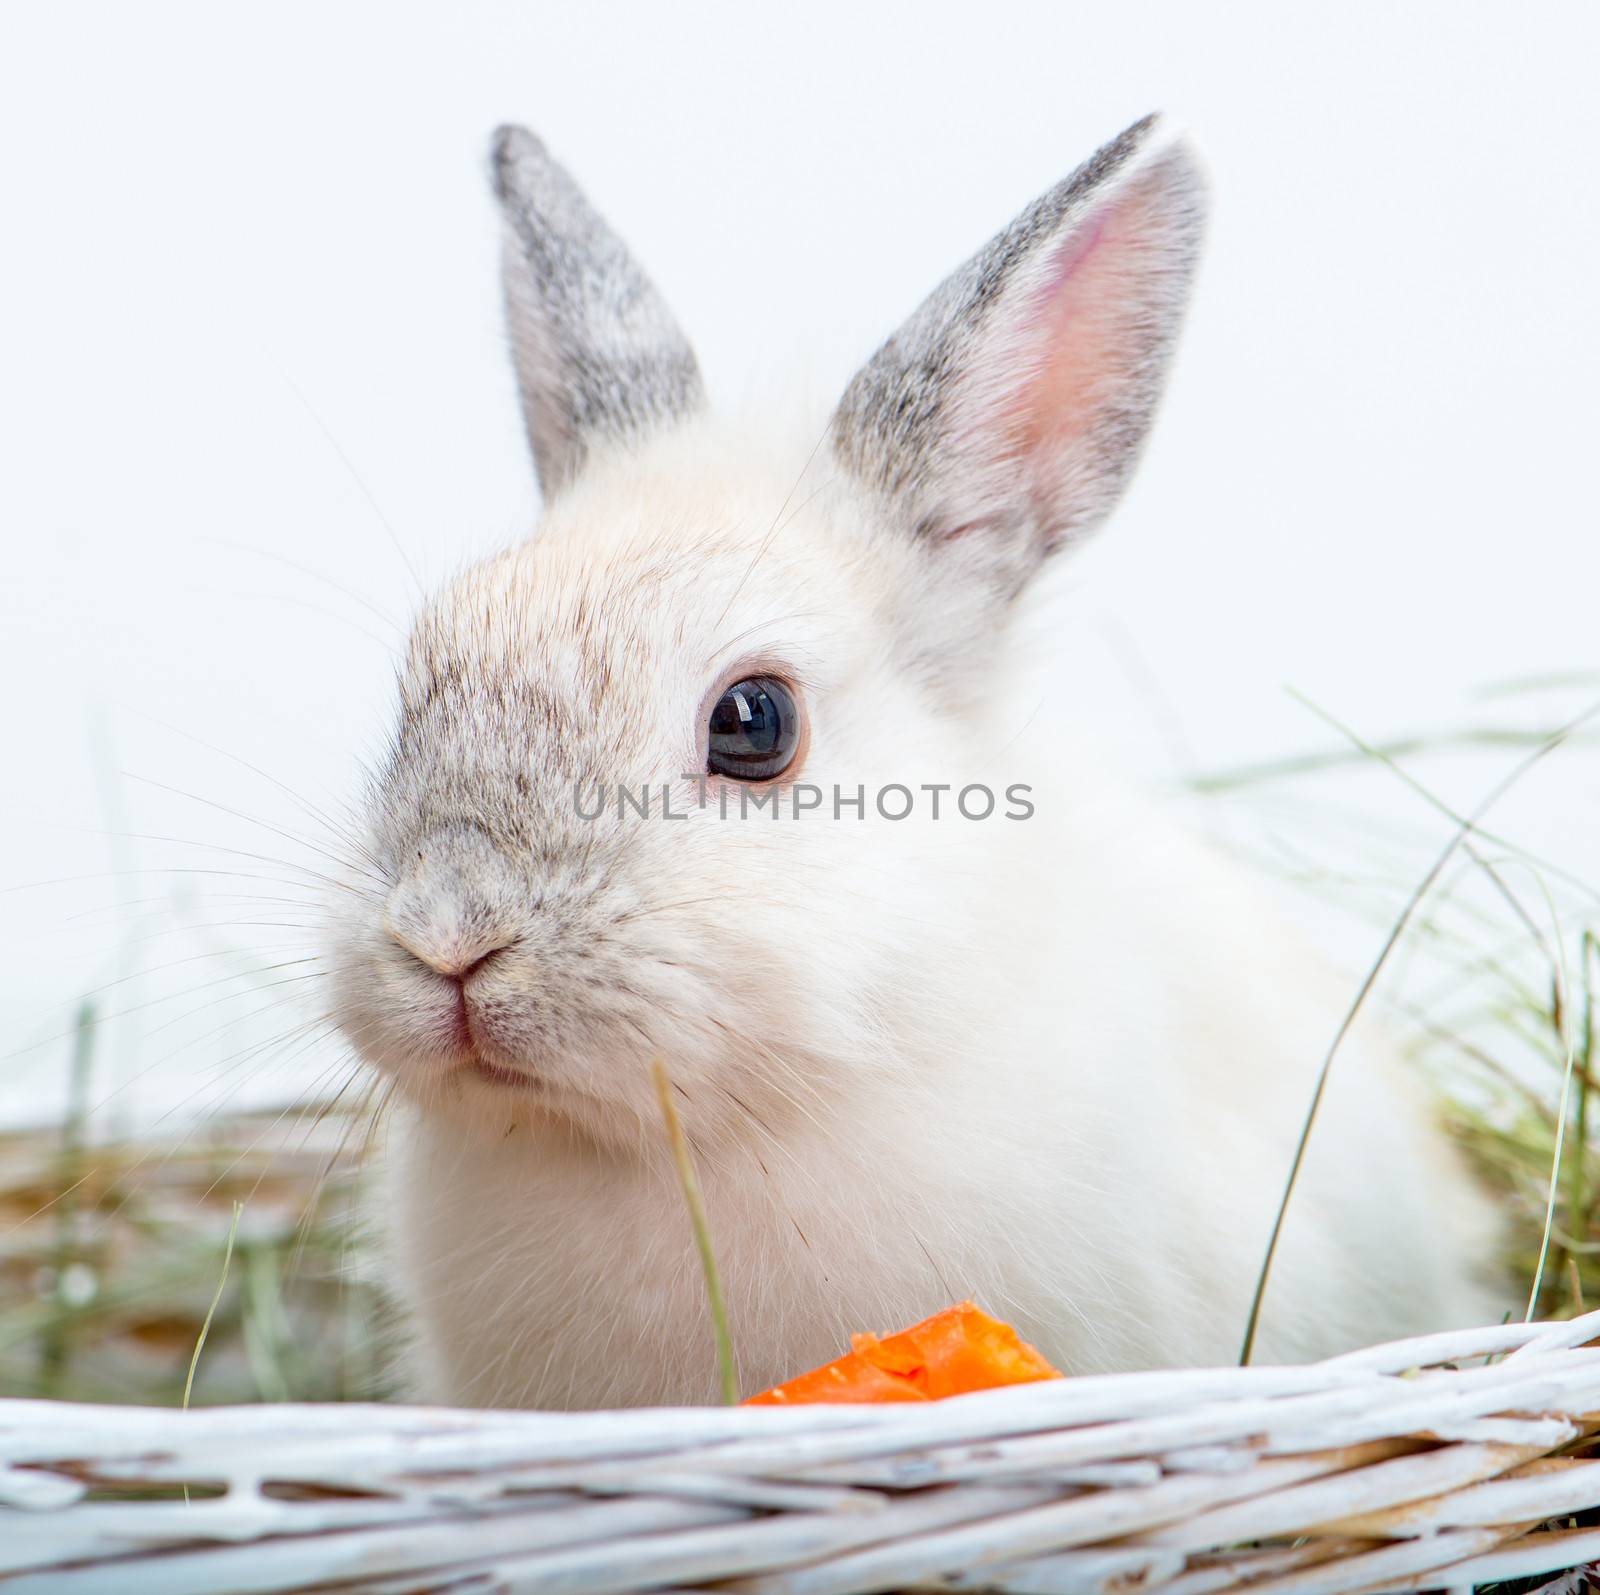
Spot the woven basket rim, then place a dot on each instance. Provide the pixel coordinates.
(1433, 1462)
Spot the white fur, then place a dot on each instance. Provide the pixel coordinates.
(1056, 1064)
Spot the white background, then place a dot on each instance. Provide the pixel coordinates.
(249, 315)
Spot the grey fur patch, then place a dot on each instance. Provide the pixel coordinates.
(599, 357)
(897, 430)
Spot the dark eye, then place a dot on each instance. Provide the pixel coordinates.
(755, 729)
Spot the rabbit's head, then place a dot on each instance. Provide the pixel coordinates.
(644, 793)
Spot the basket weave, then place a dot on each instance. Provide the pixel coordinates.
(1436, 1463)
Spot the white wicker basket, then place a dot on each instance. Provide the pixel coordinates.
(1436, 1463)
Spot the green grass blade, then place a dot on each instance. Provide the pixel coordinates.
(702, 1232)
(211, 1311)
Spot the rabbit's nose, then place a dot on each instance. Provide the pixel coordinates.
(456, 956)
(456, 906)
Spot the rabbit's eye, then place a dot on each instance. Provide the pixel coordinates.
(755, 729)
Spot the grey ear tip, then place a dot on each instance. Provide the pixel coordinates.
(1151, 133)
(511, 147)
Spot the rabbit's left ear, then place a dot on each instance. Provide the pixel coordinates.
(599, 356)
(1003, 420)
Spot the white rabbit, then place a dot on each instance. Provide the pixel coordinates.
(1053, 1060)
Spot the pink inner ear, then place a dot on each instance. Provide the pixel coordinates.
(1080, 338)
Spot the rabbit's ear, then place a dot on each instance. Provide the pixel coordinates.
(1006, 415)
(598, 355)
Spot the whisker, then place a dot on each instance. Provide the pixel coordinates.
(256, 596)
(251, 819)
(139, 1007)
(232, 852)
(168, 901)
(222, 1065)
(309, 927)
(110, 1215)
(233, 996)
(154, 869)
(316, 575)
(355, 476)
(776, 526)
(346, 832)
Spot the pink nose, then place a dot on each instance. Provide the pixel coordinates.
(457, 904)
(455, 956)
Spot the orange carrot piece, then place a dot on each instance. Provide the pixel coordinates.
(956, 1351)
(848, 1380)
